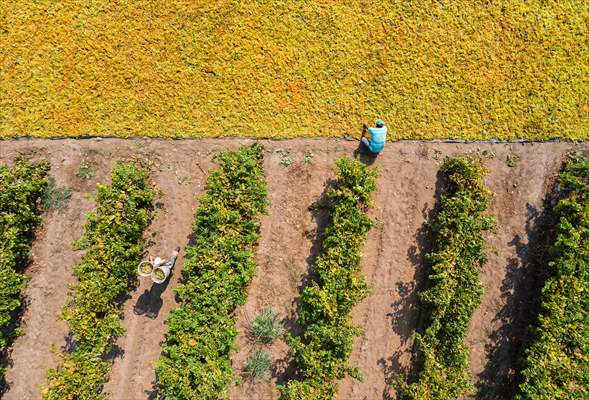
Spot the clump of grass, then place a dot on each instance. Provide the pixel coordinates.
(307, 157)
(266, 327)
(55, 198)
(258, 364)
(85, 171)
(185, 180)
(293, 278)
(512, 160)
(285, 159)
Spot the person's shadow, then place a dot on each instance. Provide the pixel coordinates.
(150, 302)
(365, 156)
(362, 152)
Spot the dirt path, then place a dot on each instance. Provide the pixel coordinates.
(499, 326)
(393, 260)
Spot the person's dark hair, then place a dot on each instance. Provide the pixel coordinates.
(379, 123)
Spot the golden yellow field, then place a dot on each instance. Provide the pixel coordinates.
(430, 69)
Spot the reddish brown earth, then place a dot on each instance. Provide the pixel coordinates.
(290, 237)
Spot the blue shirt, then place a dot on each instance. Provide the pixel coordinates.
(378, 137)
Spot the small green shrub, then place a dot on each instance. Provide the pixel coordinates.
(266, 327)
(55, 198)
(85, 171)
(455, 290)
(285, 159)
(258, 364)
(512, 160)
(556, 364)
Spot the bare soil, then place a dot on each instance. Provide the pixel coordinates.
(290, 239)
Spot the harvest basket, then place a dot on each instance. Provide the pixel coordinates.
(161, 273)
(145, 268)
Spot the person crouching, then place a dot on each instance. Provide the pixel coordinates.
(378, 137)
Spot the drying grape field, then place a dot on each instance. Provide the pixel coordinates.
(294, 227)
(456, 69)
